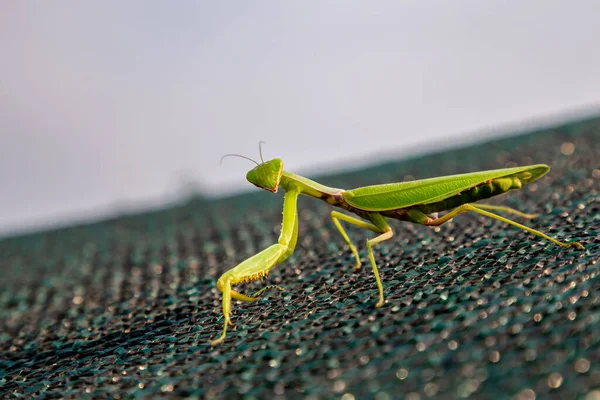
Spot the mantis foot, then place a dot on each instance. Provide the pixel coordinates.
(263, 290)
(576, 244)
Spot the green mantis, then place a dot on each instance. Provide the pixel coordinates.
(414, 201)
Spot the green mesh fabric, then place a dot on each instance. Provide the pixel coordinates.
(125, 308)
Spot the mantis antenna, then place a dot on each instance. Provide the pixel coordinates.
(260, 150)
(236, 155)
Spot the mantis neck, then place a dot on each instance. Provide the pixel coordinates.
(306, 186)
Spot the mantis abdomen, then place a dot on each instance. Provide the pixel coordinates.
(480, 192)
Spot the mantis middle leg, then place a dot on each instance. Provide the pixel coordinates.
(259, 265)
(380, 226)
(336, 216)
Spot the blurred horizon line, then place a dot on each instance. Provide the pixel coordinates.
(188, 187)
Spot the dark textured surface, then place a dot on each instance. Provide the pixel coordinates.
(125, 308)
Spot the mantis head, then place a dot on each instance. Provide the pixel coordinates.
(266, 175)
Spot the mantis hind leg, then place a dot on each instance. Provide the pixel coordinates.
(480, 210)
(507, 210)
(336, 216)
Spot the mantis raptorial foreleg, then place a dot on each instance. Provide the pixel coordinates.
(259, 265)
(478, 209)
(379, 226)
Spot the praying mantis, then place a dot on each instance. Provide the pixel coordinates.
(416, 201)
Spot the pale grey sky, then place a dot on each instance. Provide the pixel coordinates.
(111, 104)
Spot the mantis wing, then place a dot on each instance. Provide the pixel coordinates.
(393, 196)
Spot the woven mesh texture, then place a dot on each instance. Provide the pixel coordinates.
(124, 308)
